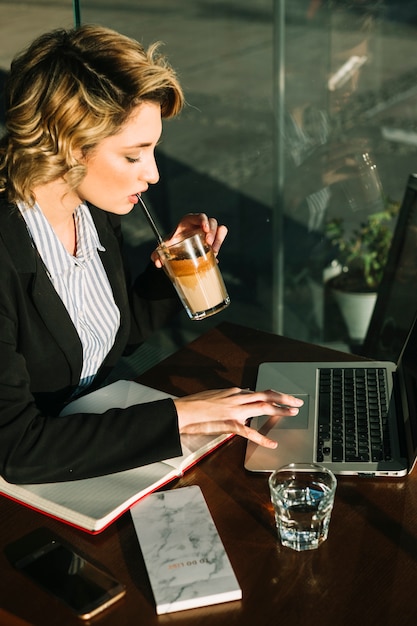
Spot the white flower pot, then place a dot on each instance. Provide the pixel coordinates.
(356, 310)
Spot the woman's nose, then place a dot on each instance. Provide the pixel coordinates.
(152, 172)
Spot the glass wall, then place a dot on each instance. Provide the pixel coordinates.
(22, 21)
(298, 111)
(348, 139)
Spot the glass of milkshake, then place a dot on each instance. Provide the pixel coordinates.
(193, 269)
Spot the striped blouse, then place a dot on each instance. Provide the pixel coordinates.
(81, 282)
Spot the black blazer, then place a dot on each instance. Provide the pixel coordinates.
(41, 360)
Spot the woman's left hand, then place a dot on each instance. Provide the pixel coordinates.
(192, 223)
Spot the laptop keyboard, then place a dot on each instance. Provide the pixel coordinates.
(353, 407)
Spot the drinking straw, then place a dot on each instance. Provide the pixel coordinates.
(150, 220)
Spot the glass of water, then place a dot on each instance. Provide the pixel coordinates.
(302, 495)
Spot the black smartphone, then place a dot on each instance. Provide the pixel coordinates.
(59, 569)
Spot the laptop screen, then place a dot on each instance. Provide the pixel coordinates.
(407, 379)
(396, 305)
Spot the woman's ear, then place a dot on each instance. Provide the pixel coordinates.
(79, 156)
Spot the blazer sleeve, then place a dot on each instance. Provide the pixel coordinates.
(35, 444)
(35, 447)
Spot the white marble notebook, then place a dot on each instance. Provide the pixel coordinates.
(186, 561)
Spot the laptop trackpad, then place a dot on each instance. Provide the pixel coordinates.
(291, 422)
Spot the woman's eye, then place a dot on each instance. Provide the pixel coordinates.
(132, 160)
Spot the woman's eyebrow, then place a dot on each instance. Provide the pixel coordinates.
(145, 144)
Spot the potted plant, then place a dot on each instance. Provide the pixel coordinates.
(362, 255)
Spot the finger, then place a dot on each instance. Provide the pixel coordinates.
(253, 435)
(283, 399)
(274, 398)
(189, 223)
(212, 230)
(248, 411)
(230, 426)
(156, 259)
(200, 221)
(242, 413)
(214, 394)
(204, 222)
(220, 236)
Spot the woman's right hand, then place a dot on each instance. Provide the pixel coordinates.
(193, 223)
(228, 411)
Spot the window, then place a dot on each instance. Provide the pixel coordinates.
(284, 99)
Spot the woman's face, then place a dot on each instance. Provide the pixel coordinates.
(124, 164)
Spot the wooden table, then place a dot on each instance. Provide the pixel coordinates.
(365, 573)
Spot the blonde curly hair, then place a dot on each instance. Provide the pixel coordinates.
(69, 90)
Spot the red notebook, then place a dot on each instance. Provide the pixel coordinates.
(93, 504)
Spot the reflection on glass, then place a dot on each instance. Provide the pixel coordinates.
(350, 91)
(341, 67)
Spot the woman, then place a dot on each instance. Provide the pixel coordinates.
(83, 117)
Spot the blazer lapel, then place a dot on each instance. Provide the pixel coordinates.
(112, 262)
(48, 304)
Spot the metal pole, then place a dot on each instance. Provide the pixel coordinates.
(77, 12)
(279, 167)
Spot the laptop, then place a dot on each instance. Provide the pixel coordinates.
(324, 430)
(376, 450)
